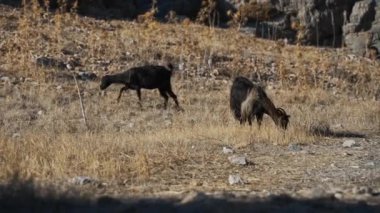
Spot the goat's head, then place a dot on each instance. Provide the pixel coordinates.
(283, 119)
(105, 82)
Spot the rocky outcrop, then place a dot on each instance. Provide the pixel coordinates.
(362, 32)
(332, 23)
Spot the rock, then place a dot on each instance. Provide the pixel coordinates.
(370, 164)
(86, 76)
(50, 63)
(40, 112)
(238, 160)
(16, 135)
(362, 190)
(362, 32)
(235, 179)
(338, 195)
(312, 193)
(168, 123)
(5, 79)
(82, 180)
(227, 150)
(349, 143)
(193, 196)
(294, 148)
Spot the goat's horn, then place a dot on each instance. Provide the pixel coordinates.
(281, 110)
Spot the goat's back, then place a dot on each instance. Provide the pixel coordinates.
(150, 76)
(241, 88)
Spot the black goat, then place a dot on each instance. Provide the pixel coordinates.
(144, 77)
(248, 100)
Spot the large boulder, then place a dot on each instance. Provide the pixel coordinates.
(362, 32)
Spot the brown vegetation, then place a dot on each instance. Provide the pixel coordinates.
(150, 150)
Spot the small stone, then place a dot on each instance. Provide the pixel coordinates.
(168, 123)
(239, 160)
(196, 183)
(227, 150)
(59, 87)
(50, 63)
(347, 154)
(16, 135)
(349, 143)
(362, 190)
(40, 112)
(338, 195)
(312, 193)
(370, 164)
(81, 180)
(5, 79)
(294, 147)
(86, 76)
(235, 179)
(192, 196)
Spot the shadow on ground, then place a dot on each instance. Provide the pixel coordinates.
(327, 132)
(18, 196)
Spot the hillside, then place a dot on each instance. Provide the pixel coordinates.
(133, 155)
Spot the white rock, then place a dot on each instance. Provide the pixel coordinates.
(227, 150)
(338, 195)
(81, 180)
(40, 112)
(312, 193)
(239, 160)
(5, 79)
(349, 143)
(235, 179)
(16, 135)
(193, 196)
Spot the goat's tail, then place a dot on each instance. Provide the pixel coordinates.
(247, 105)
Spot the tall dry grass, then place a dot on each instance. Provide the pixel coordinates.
(42, 134)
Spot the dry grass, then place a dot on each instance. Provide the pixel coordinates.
(42, 134)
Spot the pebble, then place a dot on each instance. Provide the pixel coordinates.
(362, 190)
(239, 160)
(294, 147)
(370, 164)
(349, 143)
(82, 180)
(312, 193)
(227, 150)
(235, 179)
(193, 196)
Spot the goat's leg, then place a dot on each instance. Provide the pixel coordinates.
(165, 96)
(138, 91)
(171, 93)
(259, 118)
(121, 91)
(250, 120)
